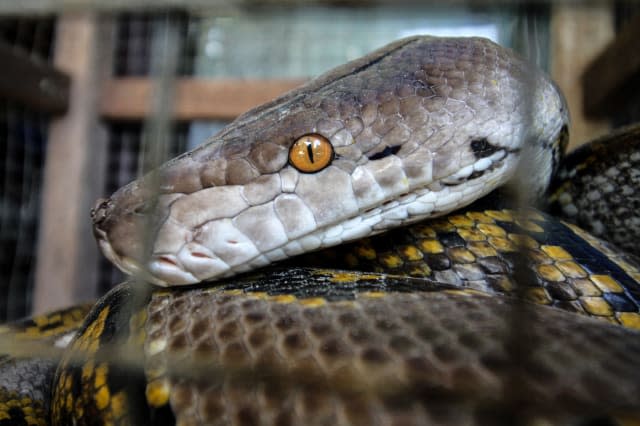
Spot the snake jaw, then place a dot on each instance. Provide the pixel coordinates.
(126, 264)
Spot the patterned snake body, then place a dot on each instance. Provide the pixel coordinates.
(596, 188)
(320, 347)
(446, 335)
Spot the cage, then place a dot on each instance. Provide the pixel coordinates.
(94, 95)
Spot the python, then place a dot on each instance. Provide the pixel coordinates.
(439, 319)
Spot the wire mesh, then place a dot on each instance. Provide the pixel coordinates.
(23, 138)
(132, 55)
(22, 149)
(32, 35)
(126, 161)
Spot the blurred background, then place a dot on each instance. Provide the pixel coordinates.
(94, 93)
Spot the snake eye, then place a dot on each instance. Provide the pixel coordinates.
(311, 153)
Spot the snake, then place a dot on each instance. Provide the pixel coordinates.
(360, 250)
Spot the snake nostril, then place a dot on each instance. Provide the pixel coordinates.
(100, 211)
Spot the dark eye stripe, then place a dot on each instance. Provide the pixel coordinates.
(387, 151)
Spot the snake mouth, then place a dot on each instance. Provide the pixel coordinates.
(102, 216)
(162, 270)
(126, 264)
(136, 269)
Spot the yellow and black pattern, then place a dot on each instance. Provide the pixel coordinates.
(335, 346)
(97, 381)
(27, 369)
(30, 407)
(48, 326)
(286, 345)
(362, 348)
(479, 249)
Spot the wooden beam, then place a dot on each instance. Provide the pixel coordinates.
(66, 270)
(578, 34)
(614, 73)
(32, 82)
(195, 98)
(219, 7)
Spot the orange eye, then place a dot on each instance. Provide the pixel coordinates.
(311, 153)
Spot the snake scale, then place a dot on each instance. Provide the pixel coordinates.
(429, 322)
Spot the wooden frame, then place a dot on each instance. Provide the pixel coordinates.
(66, 270)
(35, 84)
(614, 73)
(195, 99)
(577, 36)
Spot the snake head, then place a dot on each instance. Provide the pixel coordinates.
(414, 130)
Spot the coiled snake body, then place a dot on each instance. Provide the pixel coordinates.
(430, 323)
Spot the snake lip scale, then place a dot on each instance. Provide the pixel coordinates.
(419, 128)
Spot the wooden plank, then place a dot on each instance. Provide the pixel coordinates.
(577, 36)
(614, 73)
(219, 7)
(31, 82)
(130, 98)
(66, 270)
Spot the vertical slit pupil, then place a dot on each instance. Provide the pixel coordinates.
(310, 150)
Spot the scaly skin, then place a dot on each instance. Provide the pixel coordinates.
(314, 346)
(419, 128)
(596, 188)
(327, 346)
(26, 372)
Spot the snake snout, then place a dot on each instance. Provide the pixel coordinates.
(100, 211)
(120, 224)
